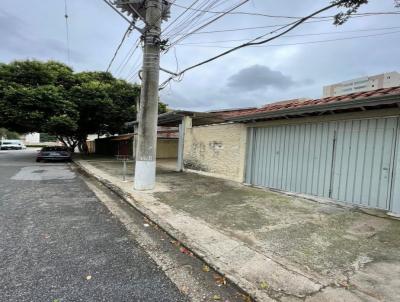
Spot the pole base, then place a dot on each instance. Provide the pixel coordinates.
(145, 175)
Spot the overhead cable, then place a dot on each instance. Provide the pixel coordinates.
(127, 32)
(66, 16)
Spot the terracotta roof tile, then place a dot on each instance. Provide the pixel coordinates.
(297, 103)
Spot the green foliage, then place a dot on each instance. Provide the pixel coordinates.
(162, 108)
(4, 133)
(49, 97)
(45, 137)
(62, 125)
(35, 73)
(31, 92)
(351, 7)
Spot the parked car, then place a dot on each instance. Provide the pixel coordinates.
(11, 144)
(54, 153)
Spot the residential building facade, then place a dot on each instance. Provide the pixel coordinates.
(344, 148)
(384, 80)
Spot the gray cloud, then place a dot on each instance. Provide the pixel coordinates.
(10, 30)
(259, 77)
(296, 70)
(19, 41)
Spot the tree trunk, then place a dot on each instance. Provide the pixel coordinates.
(61, 139)
(82, 145)
(70, 143)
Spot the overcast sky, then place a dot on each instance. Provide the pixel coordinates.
(248, 77)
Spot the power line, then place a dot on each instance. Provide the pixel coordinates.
(180, 15)
(309, 42)
(270, 26)
(209, 22)
(256, 41)
(135, 69)
(297, 35)
(127, 32)
(267, 15)
(67, 31)
(128, 56)
(194, 18)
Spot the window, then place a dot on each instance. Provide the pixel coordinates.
(55, 148)
(360, 82)
(347, 84)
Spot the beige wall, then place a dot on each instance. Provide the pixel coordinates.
(216, 150)
(167, 148)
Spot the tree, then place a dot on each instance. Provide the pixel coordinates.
(49, 97)
(4, 133)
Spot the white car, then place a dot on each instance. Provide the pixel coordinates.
(11, 144)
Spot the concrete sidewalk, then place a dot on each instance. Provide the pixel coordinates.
(273, 246)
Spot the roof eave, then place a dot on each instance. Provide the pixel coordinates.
(373, 101)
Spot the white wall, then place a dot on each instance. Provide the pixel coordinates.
(32, 138)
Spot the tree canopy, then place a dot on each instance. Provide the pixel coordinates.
(49, 97)
(6, 134)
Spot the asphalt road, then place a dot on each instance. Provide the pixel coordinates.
(59, 243)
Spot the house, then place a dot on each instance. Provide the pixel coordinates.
(124, 144)
(345, 148)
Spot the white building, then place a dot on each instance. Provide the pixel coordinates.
(31, 138)
(384, 80)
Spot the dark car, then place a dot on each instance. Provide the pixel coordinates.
(54, 154)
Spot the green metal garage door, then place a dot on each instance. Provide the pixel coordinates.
(350, 161)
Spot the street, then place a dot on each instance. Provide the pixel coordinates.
(59, 243)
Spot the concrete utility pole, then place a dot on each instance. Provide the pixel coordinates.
(152, 12)
(145, 169)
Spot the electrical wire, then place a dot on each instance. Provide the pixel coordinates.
(136, 67)
(179, 16)
(269, 26)
(267, 15)
(208, 23)
(193, 19)
(257, 41)
(296, 35)
(310, 42)
(127, 32)
(66, 16)
(128, 56)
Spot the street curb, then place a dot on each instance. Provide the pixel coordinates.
(176, 235)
